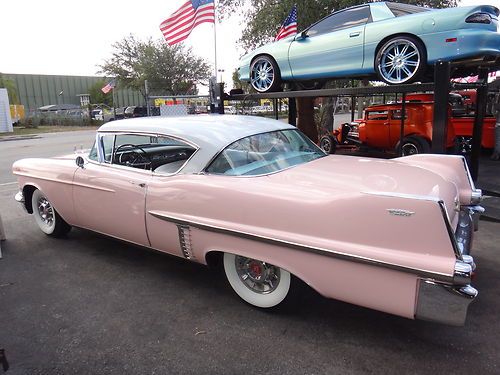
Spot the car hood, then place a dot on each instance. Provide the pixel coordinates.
(338, 174)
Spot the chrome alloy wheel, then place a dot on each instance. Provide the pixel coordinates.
(400, 61)
(260, 277)
(262, 75)
(325, 144)
(45, 211)
(409, 149)
(464, 145)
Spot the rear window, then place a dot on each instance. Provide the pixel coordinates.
(404, 9)
(265, 153)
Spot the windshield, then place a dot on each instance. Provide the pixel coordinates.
(265, 153)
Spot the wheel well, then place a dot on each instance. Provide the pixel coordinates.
(28, 193)
(381, 43)
(214, 259)
(267, 55)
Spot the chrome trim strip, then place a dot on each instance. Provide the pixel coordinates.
(296, 246)
(93, 187)
(402, 195)
(451, 233)
(43, 178)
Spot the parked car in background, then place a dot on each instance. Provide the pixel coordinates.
(258, 196)
(392, 42)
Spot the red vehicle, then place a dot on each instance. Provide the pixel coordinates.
(381, 128)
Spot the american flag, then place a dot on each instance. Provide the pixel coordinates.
(289, 27)
(179, 25)
(110, 86)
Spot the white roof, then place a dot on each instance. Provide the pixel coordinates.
(211, 133)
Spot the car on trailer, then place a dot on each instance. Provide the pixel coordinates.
(258, 196)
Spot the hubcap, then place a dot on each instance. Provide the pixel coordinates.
(262, 75)
(400, 61)
(259, 277)
(325, 145)
(409, 149)
(45, 211)
(464, 144)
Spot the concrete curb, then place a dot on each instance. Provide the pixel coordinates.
(18, 137)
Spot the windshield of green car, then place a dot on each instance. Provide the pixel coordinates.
(265, 153)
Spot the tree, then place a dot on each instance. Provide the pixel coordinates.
(11, 87)
(168, 70)
(264, 18)
(97, 96)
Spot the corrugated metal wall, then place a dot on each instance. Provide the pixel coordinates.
(37, 90)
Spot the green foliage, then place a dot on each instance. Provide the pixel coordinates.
(97, 96)
(168, 70)
(266, 16)
(11, 89)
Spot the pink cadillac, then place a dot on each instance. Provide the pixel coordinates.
(258, 196)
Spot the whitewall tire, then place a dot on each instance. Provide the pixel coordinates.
(259, 283)
(46, 216)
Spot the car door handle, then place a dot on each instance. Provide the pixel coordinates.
(140, 184)
(352, 35)
(386, 123)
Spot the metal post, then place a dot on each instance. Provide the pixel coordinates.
(353, 104)
(441, 94)
(146, 91)
(402, 130)
(275, 109)
(481, 99)
(2, 236)
(292, 112)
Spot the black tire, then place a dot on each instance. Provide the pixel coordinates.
(414, 64)
(266, 66)
(328, 144)
(413, 145)
(48, 219)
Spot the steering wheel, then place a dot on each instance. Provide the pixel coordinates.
(133, 157)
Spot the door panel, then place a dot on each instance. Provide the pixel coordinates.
(111, 200)
(338, 52)
(377, 129)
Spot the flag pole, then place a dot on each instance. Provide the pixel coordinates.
(215, 39)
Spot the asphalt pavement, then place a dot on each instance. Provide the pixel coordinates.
(91, 304)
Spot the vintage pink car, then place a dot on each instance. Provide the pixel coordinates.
(260, 197)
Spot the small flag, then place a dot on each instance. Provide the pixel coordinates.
(289, 27)
(179, 25)
(110, 86)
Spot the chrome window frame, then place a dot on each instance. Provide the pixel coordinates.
(100, 151)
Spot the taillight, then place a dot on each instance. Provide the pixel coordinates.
(479, 18)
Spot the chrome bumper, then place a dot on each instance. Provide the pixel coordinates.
(448, 303)
(444, 303)
(19, 197)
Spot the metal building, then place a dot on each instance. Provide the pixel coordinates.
(36, 90)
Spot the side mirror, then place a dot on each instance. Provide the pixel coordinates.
(80, 161)
(303, 35)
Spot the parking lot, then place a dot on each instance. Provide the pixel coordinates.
(91, 304)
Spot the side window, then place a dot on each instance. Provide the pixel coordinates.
(341, 20)
(377, 115)
(107, 144)
(93, 153)
(396, 114)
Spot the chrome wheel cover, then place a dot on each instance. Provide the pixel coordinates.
(45, 211)
(399, 61)
(464, 144)
(262, 75)
(326, 145)
(409, 149)
(260, 277)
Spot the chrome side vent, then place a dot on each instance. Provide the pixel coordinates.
(185, 241)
